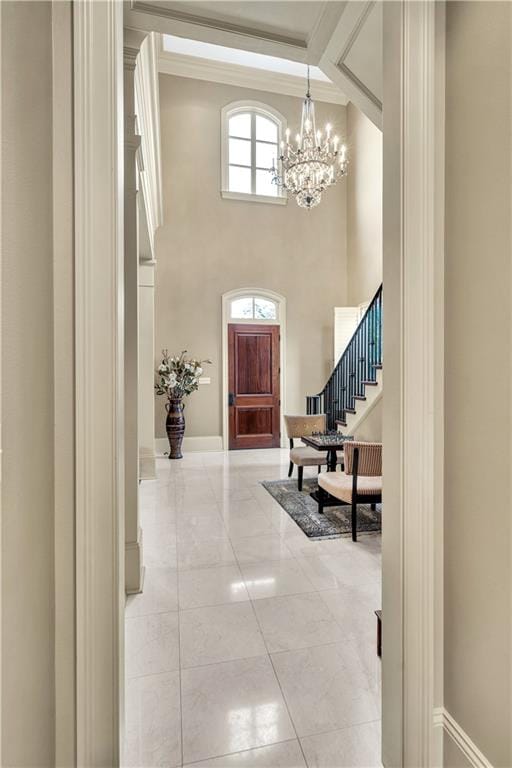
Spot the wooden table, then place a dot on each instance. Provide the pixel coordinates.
(329, 443)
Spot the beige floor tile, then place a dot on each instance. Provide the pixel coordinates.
(199, 554)
(160, 593)
(296, 621)
(153, 721)
(354, 608)
(288, 754)
(219, 633)
(257, 549)
(275, 578)
(355, 747)
(211, 586)
(325, 688)
(232, 707)
(152, 644)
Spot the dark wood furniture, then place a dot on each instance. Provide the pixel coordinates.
(254, 396)
(361, 483)
(330, 444)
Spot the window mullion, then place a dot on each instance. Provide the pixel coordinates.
(253, 153)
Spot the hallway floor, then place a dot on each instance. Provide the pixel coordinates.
(251, 645)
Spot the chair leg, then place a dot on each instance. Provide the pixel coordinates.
(373, 507)
(319, 468)
(354, 520)
(290, 469)
(300, 470)
(320, 495)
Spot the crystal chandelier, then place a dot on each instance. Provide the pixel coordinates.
(313, 163)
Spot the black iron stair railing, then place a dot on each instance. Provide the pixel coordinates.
(356, 369)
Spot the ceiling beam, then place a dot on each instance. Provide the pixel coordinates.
(151, 16)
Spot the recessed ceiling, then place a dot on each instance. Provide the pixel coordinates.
(294, 29)
(295, 19)
(180, 45)
(342, 37)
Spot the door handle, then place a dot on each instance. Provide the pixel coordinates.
(231, 399)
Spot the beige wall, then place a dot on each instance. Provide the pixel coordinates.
(478, 643)
(209, 246)
(37, 532)
(27, 387)
(364, 207)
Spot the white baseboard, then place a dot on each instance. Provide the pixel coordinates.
(147, 468)
(133, 567)
(191, 444)
(453, 731)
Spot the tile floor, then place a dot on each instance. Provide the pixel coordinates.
(251, 645)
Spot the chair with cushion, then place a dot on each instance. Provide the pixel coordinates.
(360, 483)
(303, 456)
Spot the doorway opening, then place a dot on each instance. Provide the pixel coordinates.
(253, 360)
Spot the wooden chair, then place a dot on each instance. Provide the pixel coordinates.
(360, 483)
(300, 426)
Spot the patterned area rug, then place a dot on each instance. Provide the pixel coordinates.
(335, 522)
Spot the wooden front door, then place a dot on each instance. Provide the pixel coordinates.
(254, 397)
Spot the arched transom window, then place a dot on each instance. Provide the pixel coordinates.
(251, 135)
(257, 308)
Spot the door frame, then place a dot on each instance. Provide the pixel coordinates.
(99, 380)
(280, 301)
(412, 672)
(413, 416)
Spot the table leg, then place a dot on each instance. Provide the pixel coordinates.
(332, 460)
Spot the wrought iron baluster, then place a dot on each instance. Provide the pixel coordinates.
(358, 363)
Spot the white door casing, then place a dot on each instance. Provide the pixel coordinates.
(99, 324)
(413, 416)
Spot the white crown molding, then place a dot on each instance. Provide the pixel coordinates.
(246, 77)
(458, 735)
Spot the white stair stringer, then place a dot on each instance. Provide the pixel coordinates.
(363, 408)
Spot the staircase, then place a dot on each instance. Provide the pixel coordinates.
(355, 385)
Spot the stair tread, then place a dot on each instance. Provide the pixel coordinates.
(349, 410)
(340, 423)
(359, 397)
(370, 383)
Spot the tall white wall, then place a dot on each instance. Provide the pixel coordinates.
(210, 245)
(364, 207)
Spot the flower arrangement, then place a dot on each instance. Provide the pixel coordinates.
(179, 375)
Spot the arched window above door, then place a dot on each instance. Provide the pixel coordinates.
(258, 308)
(251, 135)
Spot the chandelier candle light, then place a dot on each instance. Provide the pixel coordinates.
(313, 163)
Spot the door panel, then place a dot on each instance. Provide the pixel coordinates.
(254, 409)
